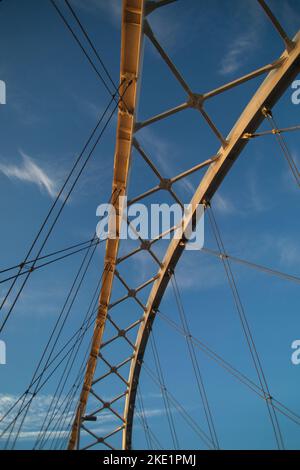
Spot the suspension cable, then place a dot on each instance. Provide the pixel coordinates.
(185, 415)
(281, 141)
(152, 438)
(56, 218)
(87, 324)
(259, 267)
(36, 382)
(39, 389)
(271, 132)
(163, 392)
(231, 369)
(65, 412)
(67, 25)
(48, 263)
(68, 401)
(195, 365)
(63, 316)
(210, 353)
(113, 97)
(44, 223)
(141, 414)
(66, 372)
(49, 255)
(75, 15)
(247, 331)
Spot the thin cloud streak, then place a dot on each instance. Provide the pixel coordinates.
(223, 204)
(29, 172)
(245, 42)
(38, 412)
(236, 54)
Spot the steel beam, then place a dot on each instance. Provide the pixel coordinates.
(287, 41)
(240, 80)
(159, 117)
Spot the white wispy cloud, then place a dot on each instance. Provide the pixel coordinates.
(36, 415)
(257, 202)
(288, 252)
(246, 41)
(236, 54)
(223, 204)
(38, 412)
(28, 171)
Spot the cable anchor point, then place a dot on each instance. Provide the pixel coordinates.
(267, 113)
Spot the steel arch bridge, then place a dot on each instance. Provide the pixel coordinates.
(131, 334)
(280, 73)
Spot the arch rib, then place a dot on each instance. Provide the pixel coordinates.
(131, 45)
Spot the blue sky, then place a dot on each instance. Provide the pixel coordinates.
(54, 99)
